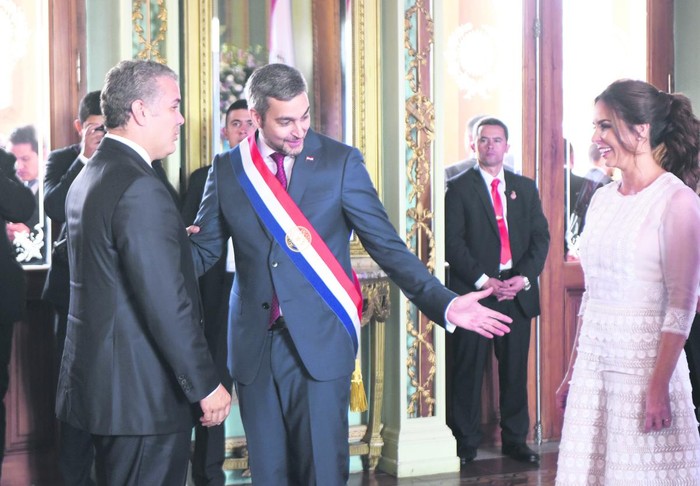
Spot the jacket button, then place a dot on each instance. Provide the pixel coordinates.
(274, 264)
(266, 306)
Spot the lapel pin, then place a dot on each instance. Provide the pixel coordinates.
(513, 195)
(309, 158)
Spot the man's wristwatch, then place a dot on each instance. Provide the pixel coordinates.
(527, 283)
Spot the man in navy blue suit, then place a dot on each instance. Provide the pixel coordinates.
(290, 352)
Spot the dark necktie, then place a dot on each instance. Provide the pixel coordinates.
(502, 229)
(278, 158)
(160, 173)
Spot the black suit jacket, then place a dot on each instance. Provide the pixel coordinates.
(62, 167)
(16, 204)
(135, 356)
(473, 245)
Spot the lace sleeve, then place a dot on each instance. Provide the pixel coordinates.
(680, 259)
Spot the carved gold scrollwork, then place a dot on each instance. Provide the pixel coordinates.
(149, 45)
(419, 134)
(376, 301)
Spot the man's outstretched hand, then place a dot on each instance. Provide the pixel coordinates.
(467, 313)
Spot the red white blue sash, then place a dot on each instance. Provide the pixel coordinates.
(294, 233)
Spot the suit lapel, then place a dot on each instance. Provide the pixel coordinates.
(512, 202)
(234, 156)
(303, 170)
(479, 186)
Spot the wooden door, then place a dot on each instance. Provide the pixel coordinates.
(562, 281)
(31, 439)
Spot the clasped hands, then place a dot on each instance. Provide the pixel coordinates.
(505, 289)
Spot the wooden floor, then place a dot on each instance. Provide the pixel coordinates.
(489, 467)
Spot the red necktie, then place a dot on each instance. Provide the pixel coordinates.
(278, 158)
(502, 229)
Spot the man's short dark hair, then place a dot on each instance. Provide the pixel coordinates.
(89, 106)
(25, 134)
(278, 81)
(490, 120)
(241, 104)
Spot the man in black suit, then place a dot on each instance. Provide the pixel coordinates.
(16, 204)
(496, 238)
(76, 452)
(582, 190)
(215, 287)
(470, 161)
(135, 362)
(24, 145)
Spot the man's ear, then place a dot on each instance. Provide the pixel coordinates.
(139, 112)
(78, 126)
(257, 118)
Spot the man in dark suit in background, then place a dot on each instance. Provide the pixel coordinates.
(215, 288)
(76, 452)
(496, 238)
(24, 145)
(135, 359)
(290, 353)
(470, 161)
(16, 204)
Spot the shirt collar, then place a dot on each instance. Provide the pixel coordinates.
(265, 149)
(488, 178)
(133, 145)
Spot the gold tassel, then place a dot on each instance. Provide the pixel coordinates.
(358, 399)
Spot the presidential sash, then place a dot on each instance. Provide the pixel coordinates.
(294, 233)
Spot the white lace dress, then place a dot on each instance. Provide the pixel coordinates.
(641, 259)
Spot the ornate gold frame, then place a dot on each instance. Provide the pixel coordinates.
(366, 88)
(197, 84)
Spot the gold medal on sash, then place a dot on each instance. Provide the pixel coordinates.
(298, 239)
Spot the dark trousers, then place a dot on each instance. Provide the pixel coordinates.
(209, 442)
(469, 354)
(692, 352)
(76, 452)
(5, 350)
(142, 460)
(296, 427)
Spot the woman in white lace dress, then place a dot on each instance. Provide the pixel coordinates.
(629, 416)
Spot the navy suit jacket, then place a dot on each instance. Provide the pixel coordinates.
(135, 355)
(331, 186)
(472, 241)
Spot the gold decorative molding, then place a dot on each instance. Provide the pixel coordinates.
(197, 82)
(366, 93)
(149, 46)
(420, 237)
(366, 90)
